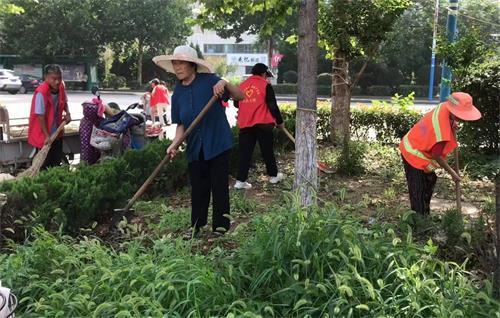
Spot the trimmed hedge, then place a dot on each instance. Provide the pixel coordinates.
(291, 89)
(374, 90)
(76, 197)
(387, 123)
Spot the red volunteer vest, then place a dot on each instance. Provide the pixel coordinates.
(159, 95)
(253, 109)
(434, 127)
(36, 138)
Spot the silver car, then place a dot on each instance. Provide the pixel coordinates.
(9, 82)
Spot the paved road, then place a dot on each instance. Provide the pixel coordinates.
(19, 105)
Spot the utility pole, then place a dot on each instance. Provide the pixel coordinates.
(433, 58)
(451, 31)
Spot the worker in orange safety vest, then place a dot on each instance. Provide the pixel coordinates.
(426, 146)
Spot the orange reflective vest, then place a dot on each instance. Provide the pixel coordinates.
(253, 109)
(434, 127)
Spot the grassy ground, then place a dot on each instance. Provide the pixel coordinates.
(359, 253)
(377, 195)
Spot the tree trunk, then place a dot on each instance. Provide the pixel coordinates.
(139, 62)
(340, 127)
(496, 281)
(306, 175)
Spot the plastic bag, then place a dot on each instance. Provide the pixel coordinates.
(102, 139)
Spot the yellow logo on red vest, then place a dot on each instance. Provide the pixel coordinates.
(251, 93)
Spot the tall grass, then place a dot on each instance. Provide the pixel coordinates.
(296, 263)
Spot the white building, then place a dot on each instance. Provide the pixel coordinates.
(240, 57)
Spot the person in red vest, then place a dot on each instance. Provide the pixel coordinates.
(426, 146)
(160, 101)
(48, 104)
(258, 114)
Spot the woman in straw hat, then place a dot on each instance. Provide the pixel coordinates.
(209, 145)
(426, 146)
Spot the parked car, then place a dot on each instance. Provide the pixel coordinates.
(29, 83)
(9, 82)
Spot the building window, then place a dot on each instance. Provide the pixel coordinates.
(229, 48)
(214, 48)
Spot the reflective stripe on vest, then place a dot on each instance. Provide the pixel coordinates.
(417, 153)
(435, 124)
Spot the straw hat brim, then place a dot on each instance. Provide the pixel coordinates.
(165, 62)
(468, 114)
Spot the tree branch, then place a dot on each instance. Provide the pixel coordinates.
(358, 76)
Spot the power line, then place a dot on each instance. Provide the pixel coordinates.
(483, 21)
(477, 19)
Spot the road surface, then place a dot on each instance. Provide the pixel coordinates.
(19, 105)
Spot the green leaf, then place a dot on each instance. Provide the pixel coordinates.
(300, 303)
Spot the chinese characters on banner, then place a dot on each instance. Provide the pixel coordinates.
(246, 59)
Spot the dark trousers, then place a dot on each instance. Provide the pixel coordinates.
(210, 177)
(420, 186)
(248, 137)
(55, 155)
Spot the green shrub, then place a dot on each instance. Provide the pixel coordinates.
(483, 83)
(84, 194)
(388, 122)
(418, 90)
(479, 165)
(379, 90)
(285, 89)
(290, 77)
(113, 81)
(324, 79)
(134, 84)
(291, 89)
(357, 91)
(353, 164)
(453, 226)
(325, 90)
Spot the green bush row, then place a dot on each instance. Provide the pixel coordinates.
(113, 81)
(375, 90)
(386, 122)
(291, 89)
(77, 196)
(320, 263)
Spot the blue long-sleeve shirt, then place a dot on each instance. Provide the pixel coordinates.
(213, 135)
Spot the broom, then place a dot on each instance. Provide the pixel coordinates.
(322, 166)
(40, 157)
(458, 189)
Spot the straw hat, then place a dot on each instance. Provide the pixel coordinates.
(182, 53)
(460, 105)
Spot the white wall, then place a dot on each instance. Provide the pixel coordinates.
(202, 37)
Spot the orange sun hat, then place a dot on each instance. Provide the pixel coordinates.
(460, 105)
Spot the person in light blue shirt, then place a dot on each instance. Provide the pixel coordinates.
(209, 144)
(40, 108)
